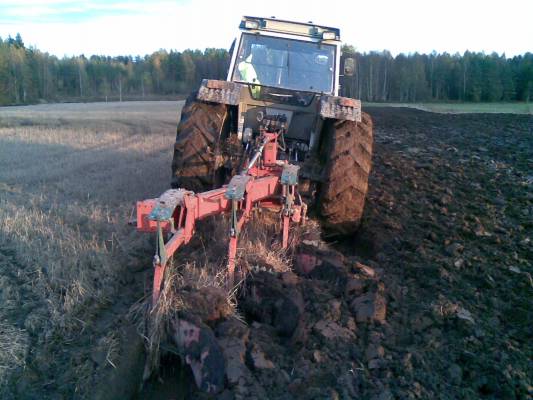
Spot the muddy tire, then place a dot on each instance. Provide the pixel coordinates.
(341, 198)
(195, 164)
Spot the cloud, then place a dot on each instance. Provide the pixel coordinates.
(141, 27)
(61, 11)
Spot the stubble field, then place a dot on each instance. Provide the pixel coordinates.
(447, 231)
(69, 177)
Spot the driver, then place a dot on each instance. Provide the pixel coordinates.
(248, 74)
(247, 70)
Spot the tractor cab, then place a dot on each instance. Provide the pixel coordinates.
(282, 68)
(283, 79)
(286, 55)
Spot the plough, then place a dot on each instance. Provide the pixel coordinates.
(265, 181)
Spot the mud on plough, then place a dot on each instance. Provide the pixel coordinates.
(265, 182)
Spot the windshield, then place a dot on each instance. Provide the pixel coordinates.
(285, 63)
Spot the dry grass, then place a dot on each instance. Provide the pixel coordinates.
(180, 282)
(199, 265)
(13, 350)
(261, 247)
(69, 176)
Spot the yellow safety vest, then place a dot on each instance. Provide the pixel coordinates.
(248, 74)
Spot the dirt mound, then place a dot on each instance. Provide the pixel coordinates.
(449, 219)
(304, 316)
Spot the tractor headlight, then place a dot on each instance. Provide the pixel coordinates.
(328, 35)
(251, 24)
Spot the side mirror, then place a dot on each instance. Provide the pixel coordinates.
(349, 66)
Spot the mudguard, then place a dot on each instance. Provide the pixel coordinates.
(343, 108)
(222, 92)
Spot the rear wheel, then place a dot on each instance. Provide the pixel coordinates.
(197, 161)
(348, 151)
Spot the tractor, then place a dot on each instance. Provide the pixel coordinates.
(286, 71)
(273, 135)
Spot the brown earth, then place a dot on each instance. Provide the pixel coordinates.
(450, 221)
(431, 299)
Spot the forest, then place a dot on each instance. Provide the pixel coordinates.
(29, 75)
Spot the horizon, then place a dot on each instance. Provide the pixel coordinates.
(120, 28)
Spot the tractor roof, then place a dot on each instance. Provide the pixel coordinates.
(289, 27)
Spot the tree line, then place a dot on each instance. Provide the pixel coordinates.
(28, 75)
(471, 77)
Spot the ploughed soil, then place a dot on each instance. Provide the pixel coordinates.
(432, 298)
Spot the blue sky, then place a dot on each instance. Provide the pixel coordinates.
(59, 11)
(116, 27)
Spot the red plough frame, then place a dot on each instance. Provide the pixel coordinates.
(271, 183)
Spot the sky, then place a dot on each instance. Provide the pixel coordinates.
(118, 27)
